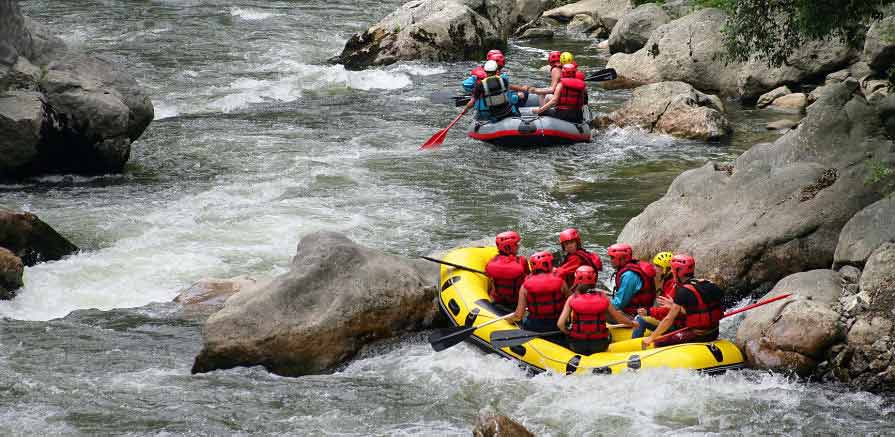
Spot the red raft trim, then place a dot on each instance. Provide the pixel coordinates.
(537, 133)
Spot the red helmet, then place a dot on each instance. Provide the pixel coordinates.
(683, 267)
(579, 75)
(553, 59)
(508, 242)
(498, 57)
(542, 261)
(621, 253)
(570, 234)
(493, 52)
(569, 70)
(585, 275)
(479, 72)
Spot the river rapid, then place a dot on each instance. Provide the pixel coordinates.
(256, 142)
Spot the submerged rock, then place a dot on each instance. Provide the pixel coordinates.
(769, 97)
(793, 334)
(11, 270)
(489, 425)
(211, 292)
(865, 231)
(31, 239)
(795, 102)
(337, 297)
(62, 111)
(633, 30)
(673, 108)
(780, 207)
(782, 125)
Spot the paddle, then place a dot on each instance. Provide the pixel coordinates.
(448, 337)
(458, 266)
(602, 75)
(449, 97)
(515, 337)
(439, 137)
(731, 313)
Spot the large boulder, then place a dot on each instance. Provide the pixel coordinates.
(867, 230)
(673, 108)
(336, 297)
(633, 30)
(879, 45)
(691, 49)
(867, 358)
(794, 333)
(778, 208)
(11, 270)
(606, 12)
(79, 113)
(31, 239)
(438, 30)
(23, 119)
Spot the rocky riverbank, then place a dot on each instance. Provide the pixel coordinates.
(25, 240)
(62, 111)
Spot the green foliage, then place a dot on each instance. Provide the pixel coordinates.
(396, 29)
(877, 171)
(773, 29)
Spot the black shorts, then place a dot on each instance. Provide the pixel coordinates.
(587, 347)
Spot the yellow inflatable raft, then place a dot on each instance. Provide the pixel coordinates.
(464, 299)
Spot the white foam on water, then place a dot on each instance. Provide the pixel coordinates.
(164, 110)
(417, 69)
(251, 14)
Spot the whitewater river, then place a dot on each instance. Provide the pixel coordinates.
(256, 142)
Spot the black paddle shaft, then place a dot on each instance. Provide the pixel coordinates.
(458, 266)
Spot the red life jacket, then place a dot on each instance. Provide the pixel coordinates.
(507, 272)
(545, 298)
(669, 286)
(708, 312)
(585, 258)
(644, 297)
(573, 94)
(589, 316)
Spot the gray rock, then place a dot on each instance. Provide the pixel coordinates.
(11, 270)
(212, 292)
(866, 231)
(491, 425)
(780, 209)
(438, 30)
(782, 125)
(805, 324)
(634, 29)
(15, 39)
(336, 297)
(22, 121)
(690, 49)
(582, 23)
(538, 33)
(769, 97)
(879, 45)
(795, 102)
(878, 278)
(673, 108)
(850, 274)
(32, 240)
(608, 12)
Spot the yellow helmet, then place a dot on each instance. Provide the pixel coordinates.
(566, 58)
(663, 260)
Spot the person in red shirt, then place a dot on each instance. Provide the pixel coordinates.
(575, 256)
(585, 314)
(543, 294)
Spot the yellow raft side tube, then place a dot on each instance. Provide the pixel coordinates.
(464, 299)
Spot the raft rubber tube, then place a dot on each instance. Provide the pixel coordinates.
(464, 299)
(530, 130)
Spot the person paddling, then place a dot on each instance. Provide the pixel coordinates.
(543, 293)
(635, 285)
(587, 310)
(507, 271)
(648, 318)
(575, 256)
(569, 97)
(699, 301)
